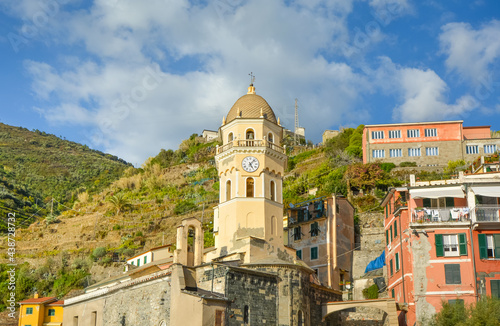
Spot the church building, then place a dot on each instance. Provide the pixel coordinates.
(250, 277)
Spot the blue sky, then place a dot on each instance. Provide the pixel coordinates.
(131, 77)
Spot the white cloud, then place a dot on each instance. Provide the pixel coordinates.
(201, 56)
(471, 52)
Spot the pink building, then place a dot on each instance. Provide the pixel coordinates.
(443, 243)
(426, 143)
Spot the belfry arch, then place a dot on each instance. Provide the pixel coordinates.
(189, 254)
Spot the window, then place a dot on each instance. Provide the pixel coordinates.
(392, 267)
(471, 149)
(297, 233)
(394, 133)
(397, 261)
(75, 321)
(230, 137)
(495, 288)
(270, 137)
(431, 132)
(456, 301)
(246, 313)
(145, 260)
(314, 253)
(29, 311)
(228, 190)
(387, 236)
(52, 312)
(413, 151)
(413, 133)
(299, 253)
(273, 191)
(301, 318)
(250, 134)
(377, 135)
(218, 317)
(395, 152)
(391, 233)
(489, 246)
(395, 229)
(249, 187)
(432, 151)
(451, 245)
(314, 229)
(138, 261)
(378, 153)
(452, 273)
(273, 224)
(490, 149)
(93, 319)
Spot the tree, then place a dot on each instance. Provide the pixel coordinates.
(364, 176)
(485, 312)
(119, 202)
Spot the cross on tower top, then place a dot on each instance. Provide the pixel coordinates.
(252, 78)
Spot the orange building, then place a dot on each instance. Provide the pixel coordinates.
(443, 242)
(426, 143)
(47, 311)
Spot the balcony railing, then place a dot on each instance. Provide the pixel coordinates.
(487, 213)
(439, 215)
(250, 143)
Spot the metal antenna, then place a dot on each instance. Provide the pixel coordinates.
(296, 123)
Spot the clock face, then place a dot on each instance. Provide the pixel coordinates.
(250, 164)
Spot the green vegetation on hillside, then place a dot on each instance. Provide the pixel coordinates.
(36, 167)
(485, 312)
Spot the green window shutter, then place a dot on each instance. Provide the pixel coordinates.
(392, 268)
(496, 240)
(450, 202)
(386, 211)
(427, 202)
(483, 249)
(397, 261)
(387, 237)
(462, 242)
(495, 288)
(438, 239)
(452, 273)
(391, 233)
(395, 229)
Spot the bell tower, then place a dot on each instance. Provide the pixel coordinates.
(248, 221)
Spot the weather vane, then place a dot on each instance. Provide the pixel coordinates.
(252, 78)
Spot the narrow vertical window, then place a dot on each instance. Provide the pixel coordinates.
(230, 137)
(270, 138)
(228, 190)
(250, 134)
(246, 317)
(273, 191)
(273, 225)
(250, 187)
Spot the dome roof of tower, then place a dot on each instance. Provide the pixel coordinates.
(251, 105)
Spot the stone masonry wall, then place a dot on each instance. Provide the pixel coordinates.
(148, 304)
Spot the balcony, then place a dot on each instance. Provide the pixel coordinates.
(250, 143)
(307, 213)
(440, 215)
(487, 213)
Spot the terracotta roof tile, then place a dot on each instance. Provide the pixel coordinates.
(38, 300)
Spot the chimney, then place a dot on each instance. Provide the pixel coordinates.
(36, 295)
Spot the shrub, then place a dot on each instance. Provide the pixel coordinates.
(485, 312)
(99, 252)
(408, 164)
(371, 292)
(387, 167)
(184, 206)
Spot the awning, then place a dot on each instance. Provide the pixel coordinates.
(455, 191)
(488, 191)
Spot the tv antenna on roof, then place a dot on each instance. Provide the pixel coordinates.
(252, 78)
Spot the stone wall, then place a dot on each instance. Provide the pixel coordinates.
(147, 304)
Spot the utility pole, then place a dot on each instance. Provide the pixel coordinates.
(296, 123)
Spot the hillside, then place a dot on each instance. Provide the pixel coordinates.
(36, 167)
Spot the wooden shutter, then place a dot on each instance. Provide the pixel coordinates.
(395, 229)
(496, 240)
(392, 268)
(218, 317)
(462, 244)
(397, 261)
(483, 249)
(387, 236)
(450, 202)
(438, 239)
(391, 233)
(452, 273)
(495, 288)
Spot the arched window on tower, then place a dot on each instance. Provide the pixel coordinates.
(301, 318)
(270, 137)
(230, 137)
(250, 187)
(273, 190)
(228, 190)
(250, 134)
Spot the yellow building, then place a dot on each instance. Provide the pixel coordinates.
(47, 311)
